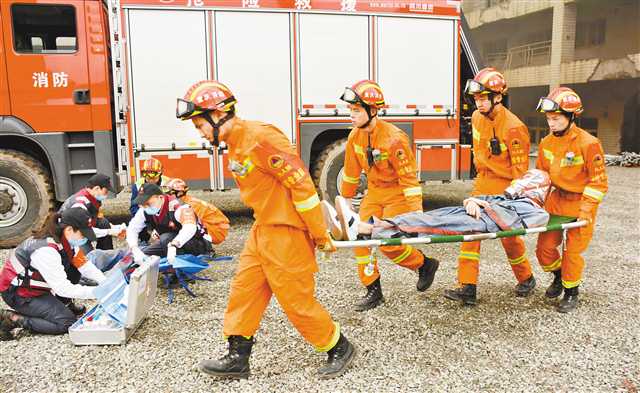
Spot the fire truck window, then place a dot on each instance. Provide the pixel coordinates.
(44, 28)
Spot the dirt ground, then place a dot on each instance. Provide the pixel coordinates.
(414, 342)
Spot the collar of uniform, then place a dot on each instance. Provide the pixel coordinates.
(500, 112)
(232, 136)
(572, 133)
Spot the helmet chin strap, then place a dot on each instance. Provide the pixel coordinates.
(564, 130)
(493, 105)
(368, 109)
(216, 126)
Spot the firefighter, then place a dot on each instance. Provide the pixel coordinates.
(383, 152)
(278, 258)
(501, 154)
(179, 230)
(90, 198)
(151, 171)
(214, 221)
(575, 160)
(40, 277)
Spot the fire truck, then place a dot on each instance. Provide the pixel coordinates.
(90, 86)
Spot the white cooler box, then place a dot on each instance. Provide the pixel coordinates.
(121, 308)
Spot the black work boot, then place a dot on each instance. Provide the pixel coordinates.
(465, 293)
(339, 359)
(373, 298)
(555, 289)
(570, 300)
(235, 364)
(8, 322)
(526, 287)
(426, 273)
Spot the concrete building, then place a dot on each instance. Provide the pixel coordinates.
(592, 46)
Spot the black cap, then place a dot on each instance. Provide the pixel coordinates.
(148, 190)
(80, 219)
(100, 180)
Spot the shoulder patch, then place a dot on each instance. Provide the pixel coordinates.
(275, 161)
(400, 154)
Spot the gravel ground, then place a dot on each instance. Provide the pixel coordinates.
(414, 342)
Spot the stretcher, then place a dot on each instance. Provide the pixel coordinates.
(556, 223)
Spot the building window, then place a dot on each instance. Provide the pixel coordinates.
(590, 33)
(44, 28)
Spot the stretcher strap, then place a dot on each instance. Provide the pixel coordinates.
(556, 226)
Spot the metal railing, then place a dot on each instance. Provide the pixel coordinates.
(535, 53)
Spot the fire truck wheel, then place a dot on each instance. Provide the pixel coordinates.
(328, 171)
(26, 196)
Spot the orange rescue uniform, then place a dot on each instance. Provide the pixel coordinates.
(393, 189)
(279, 255)
(216, 223)
(495, 173)
(575, 162)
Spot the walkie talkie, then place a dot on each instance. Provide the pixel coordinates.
(494, 143)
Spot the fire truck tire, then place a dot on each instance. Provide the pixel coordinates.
(26, 196)
(327, 172)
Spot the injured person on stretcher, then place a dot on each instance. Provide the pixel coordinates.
(521, 206)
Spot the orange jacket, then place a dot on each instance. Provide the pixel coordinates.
(575, 162)
(495, 172)
(395, 165)
(272, 179)
(216, 223)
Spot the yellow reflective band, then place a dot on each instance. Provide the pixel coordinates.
(570, 284)
(553, 267)
(470, 255)
(307, 204)
(248, 165)
(363, 260)
(412, 191)
(351, 180)
(404, 255)
(476, 134)
(358, 149)
(593, 193)
(577, 160)
(334, 339)
(548, 154)
(519, 260)
(503, 147)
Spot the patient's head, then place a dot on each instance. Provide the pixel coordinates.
(534, 184)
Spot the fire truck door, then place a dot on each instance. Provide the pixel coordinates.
(47, 61)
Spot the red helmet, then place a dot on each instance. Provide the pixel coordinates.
(203, 97)
(151, 165)
(366, 93)
(177, 185)
(486, 81)
(561, 99)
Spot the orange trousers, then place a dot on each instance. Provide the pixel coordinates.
(469, 259)
(385, 203)
(279, 260)
(570, 261)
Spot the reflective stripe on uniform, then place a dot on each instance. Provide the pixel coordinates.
(307, 204)
(476, 134)
(548, 154)
(553, 267)
(351, 180)
(519, 260)
(363, 259)
(412, 191)
(593, 193)
(334, 339)
(358, 149)
(404, 255)
(577, 160)
(470, 255)
(571, 284)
